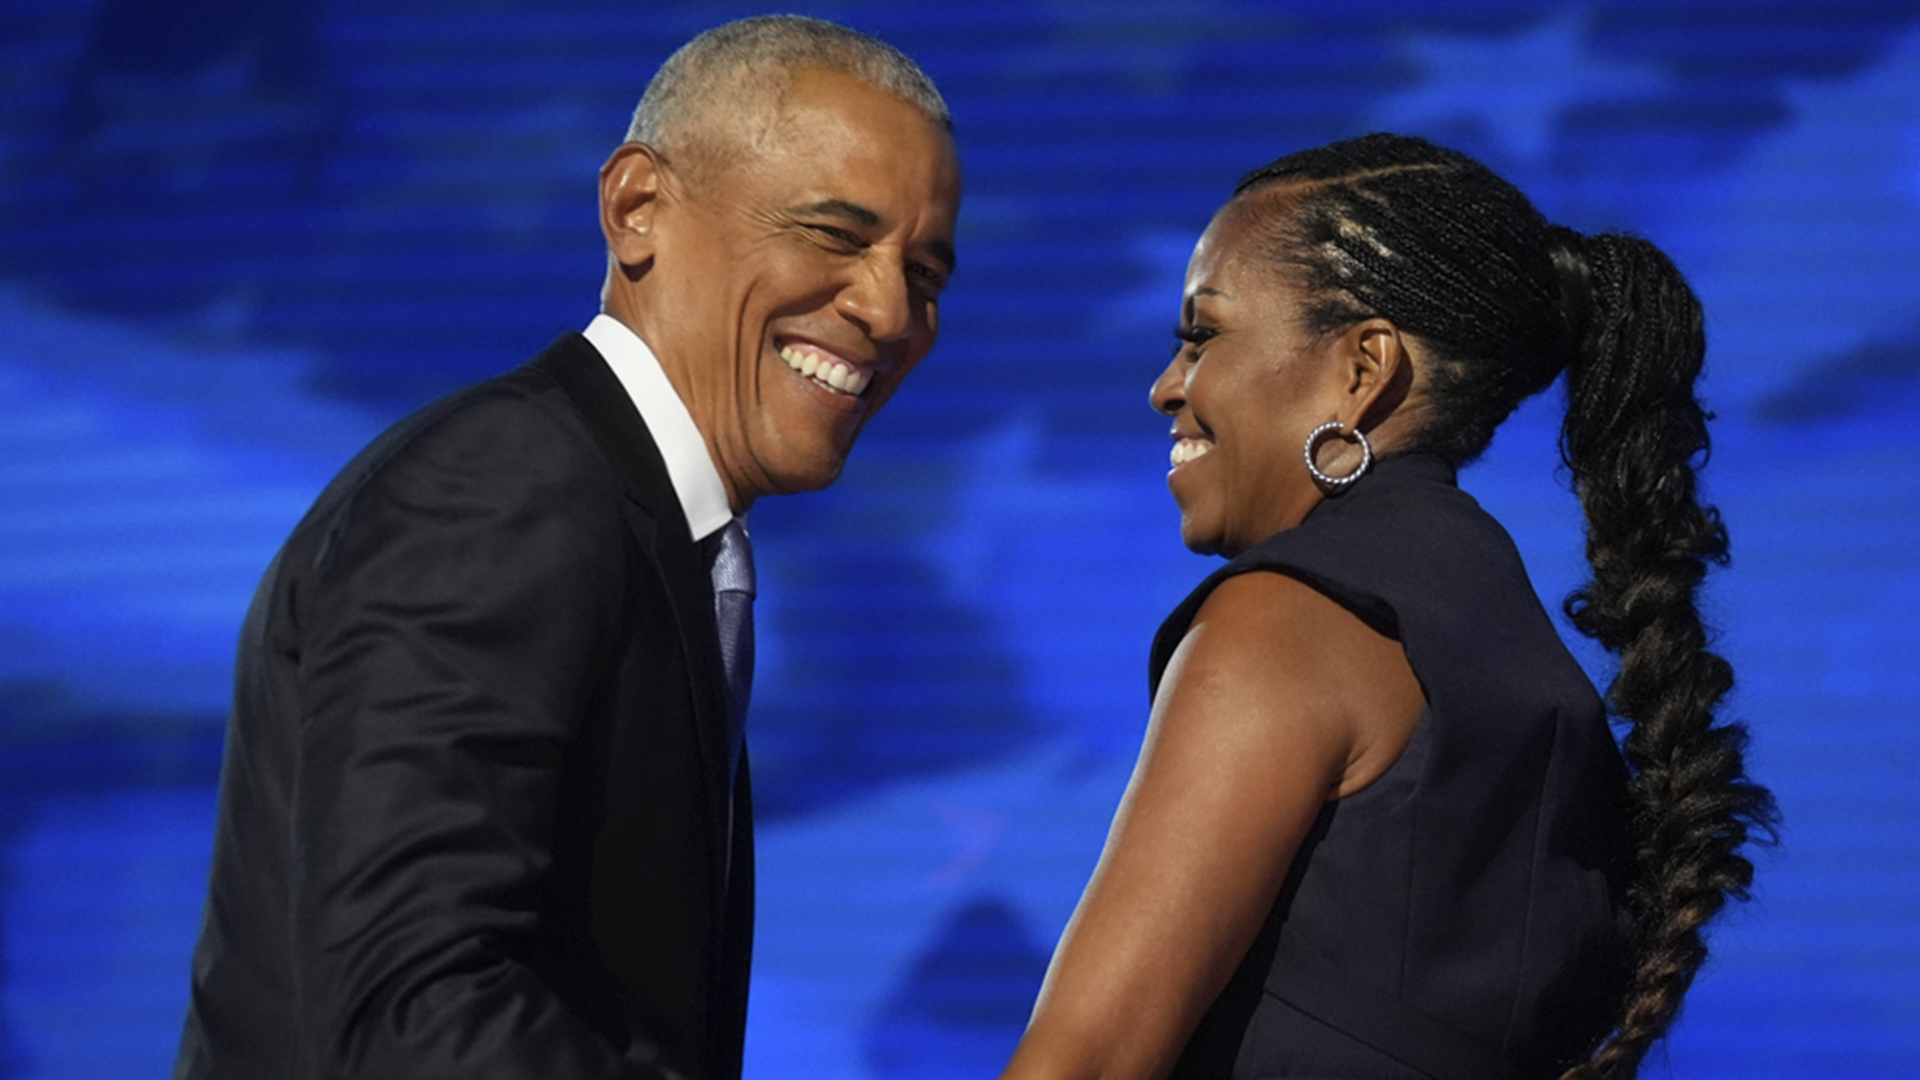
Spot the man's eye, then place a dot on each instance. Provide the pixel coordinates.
(933, 280)
(838, 235)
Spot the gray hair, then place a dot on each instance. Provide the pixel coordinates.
(751, 62)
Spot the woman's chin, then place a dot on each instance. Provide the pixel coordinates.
(1198, 538)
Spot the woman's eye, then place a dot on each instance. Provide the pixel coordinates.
(1195, 336)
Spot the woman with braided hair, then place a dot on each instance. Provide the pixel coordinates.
(1380, 826)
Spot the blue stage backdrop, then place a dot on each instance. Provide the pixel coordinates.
(237, 239)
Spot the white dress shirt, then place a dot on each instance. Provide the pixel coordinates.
(703, 496)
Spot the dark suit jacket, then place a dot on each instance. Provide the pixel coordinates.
(475, 813)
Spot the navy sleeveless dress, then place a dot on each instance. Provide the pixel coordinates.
(1461, 917)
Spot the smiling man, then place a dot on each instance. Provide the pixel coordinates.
(485, 808)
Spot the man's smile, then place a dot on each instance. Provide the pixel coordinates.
(826, 369)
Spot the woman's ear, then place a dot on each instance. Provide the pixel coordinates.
(1379, 373)
(630, 186)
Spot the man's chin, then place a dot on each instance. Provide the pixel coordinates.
(797, 453)
(811, 474)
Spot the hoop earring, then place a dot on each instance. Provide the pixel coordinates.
(1337, 483)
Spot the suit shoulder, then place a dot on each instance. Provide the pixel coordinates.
(509, 445)
(519, 419)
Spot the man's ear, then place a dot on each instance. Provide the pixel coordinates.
(630, 188)
(1379, 372)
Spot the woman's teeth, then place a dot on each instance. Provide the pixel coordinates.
(834, 374)
(1187, 449)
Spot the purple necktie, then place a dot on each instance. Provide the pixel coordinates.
(733, 610)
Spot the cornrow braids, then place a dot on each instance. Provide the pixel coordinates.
(1435, 242)
(1504, 301)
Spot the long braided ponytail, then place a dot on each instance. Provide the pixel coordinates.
(1632, 432)
(1504, 301)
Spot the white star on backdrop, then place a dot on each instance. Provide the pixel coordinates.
(1518, 86)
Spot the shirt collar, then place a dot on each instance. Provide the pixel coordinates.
(697, 483)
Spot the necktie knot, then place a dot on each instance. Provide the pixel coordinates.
(733, 560)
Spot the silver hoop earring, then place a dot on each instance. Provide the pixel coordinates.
(1337, 483)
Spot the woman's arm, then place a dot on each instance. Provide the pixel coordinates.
(1277, 700)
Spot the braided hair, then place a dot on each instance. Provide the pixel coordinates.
(1504, 301)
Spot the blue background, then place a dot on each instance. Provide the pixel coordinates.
(237, 239)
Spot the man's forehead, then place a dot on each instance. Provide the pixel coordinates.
(794, 111)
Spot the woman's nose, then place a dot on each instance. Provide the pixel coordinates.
(1168, 394)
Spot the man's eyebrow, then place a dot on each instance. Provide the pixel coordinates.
(860, 215)
(841, 208)
(944, 252)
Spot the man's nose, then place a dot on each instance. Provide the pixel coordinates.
(879, 300)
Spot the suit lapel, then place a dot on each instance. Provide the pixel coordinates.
(616, 426)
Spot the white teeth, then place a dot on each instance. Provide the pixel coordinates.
(1188, 449)
(842, 377)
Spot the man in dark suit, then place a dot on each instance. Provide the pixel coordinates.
(484, 811)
